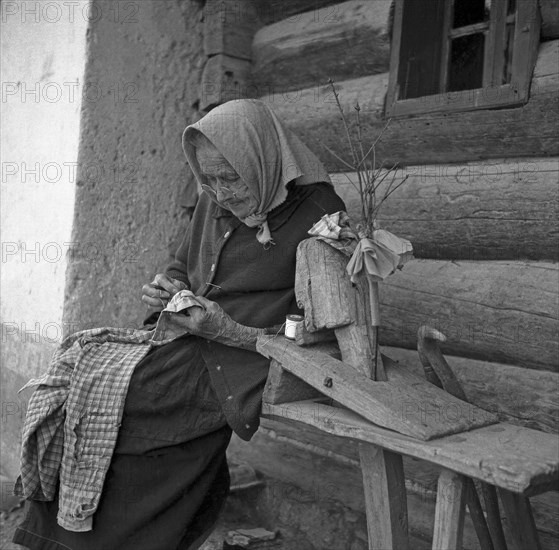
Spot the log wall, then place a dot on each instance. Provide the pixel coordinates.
(297, 50)
(530, 130)
(480, 206)
(490, 210)
(310, 49)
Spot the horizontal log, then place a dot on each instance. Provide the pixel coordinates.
(341, 41)
(491, 210)
(530, 130)
(270, 11)
(515, 394)
(495, 311)
(550, 19)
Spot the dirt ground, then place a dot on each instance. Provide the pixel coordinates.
(10, 520)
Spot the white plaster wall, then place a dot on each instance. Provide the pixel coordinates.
(42, 67)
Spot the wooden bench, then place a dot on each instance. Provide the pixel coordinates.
(325, 385)
(519, 461)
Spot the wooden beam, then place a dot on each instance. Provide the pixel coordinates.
(305, 338)
(520, 520)
(342, 41)
(270, 11)
(330, 300)
(284, 387)
(526, 131)
(518, 395)
(385, 498)
(491, 210)
(449, 513)
(495, 311)
(408, 405)
(519, 459)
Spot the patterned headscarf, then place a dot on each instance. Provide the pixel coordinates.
(265, 154)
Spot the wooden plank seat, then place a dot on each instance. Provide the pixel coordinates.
(353, 391)
(519, 461)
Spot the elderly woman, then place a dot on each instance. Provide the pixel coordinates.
(262, 190)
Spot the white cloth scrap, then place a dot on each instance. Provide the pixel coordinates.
(377, 257)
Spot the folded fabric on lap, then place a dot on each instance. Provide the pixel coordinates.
(73, 418)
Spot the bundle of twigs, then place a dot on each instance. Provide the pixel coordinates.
(370, 178)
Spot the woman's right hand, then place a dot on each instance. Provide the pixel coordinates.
(158, 293)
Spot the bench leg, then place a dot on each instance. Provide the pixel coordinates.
(494, 516)
(449, 512)
(385, 498)
(520, 522)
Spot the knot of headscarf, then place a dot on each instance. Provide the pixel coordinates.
(265, 154)
(263, 235)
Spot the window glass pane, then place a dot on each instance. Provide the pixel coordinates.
(509, 43)
(468, 12)
(420, 48)
(466, 62)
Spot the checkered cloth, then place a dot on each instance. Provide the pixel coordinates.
(73, 418)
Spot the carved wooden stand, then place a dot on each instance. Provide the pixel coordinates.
(395, 414)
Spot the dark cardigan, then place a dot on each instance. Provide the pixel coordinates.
(221, 259)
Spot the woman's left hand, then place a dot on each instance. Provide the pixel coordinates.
(208, 321)
(211, 322)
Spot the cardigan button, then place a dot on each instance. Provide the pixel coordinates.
(226, 236)
(212, 268)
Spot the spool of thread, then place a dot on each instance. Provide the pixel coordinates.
(291, 322)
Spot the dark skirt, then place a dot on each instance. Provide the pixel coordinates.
(168, 479)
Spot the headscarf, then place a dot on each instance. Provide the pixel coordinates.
(265, 154)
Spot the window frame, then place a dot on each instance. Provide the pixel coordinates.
(516, 93)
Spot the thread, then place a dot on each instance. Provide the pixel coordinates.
(291, 323)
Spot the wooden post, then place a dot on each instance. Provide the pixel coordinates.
(449, 513)
(520, 520)
(385, 498)
(324, 290)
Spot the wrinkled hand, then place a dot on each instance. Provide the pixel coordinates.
(158, 293)
(212, 323)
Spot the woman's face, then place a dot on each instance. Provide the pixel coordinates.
(230, 192)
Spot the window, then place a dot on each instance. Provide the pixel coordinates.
(459, 55)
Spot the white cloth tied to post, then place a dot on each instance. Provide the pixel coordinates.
(380, 256)
(377, 257)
